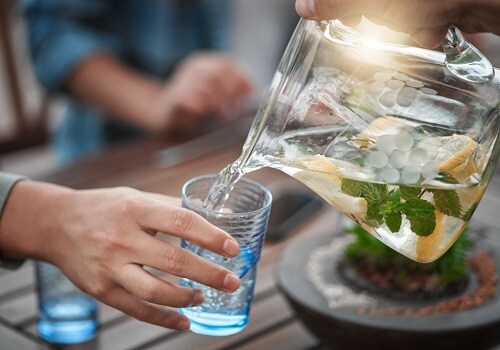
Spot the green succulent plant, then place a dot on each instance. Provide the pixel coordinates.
(366, 249)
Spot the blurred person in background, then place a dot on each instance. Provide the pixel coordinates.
(154, 66)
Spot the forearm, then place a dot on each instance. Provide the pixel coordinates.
(29, 224)
(103, 81)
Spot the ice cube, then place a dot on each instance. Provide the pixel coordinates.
(418, 156)
(390, 175)
(429, 91)
(398, 159)
(395, 84)
(406, 96)
(388, 99)
(415, 84)
(378, 159)
(430, 169)
(410, 174)
(382, 76)
(401, 76)
(386, 143)
(404, 141)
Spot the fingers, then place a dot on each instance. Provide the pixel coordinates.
(180, 262)
(334, 9)
(155, 290)
(156, 215)
(430, 38)
(143, 311)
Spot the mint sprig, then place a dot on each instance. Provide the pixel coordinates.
(384, 206)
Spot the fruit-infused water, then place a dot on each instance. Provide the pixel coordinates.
(396, 143)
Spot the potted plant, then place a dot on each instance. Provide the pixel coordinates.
(355, 292)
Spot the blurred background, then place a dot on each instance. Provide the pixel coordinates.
(259, 32)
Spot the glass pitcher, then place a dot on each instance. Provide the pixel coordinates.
(401, 140)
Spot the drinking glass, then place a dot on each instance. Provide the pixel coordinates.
(244, 216)
(67, 315)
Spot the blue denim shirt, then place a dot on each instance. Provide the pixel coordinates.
(152, 36)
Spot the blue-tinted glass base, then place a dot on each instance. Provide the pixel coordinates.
(68, 320)
(215, 324)
(67, 332)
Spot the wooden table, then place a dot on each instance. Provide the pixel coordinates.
(272, 322)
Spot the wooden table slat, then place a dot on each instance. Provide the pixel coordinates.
(14, 280)
(12, 340)
(293, 336)
(263, 314)
(20, 309)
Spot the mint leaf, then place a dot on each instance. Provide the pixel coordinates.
(373, 215)
(352, 187)
(409, 192)
(420, 214)
(393, 221)
(447, 202)
(375, 193)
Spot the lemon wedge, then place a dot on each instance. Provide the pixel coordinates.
(324, 178)
(453, 154)
(386, 126)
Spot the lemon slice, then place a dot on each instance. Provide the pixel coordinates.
(320, 163)
(430, 248)
(453, 154)
(324, 178)
(386, 126)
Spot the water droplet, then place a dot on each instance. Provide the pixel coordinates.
(378, 159)
(398, 159)
(404, 141)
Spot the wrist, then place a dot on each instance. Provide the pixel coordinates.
(31, 222)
